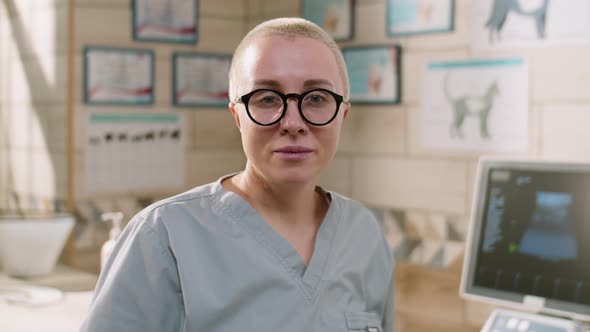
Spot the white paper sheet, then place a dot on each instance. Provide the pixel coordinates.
(475, 105)
(201, 79)
(166, 20)
(129, 152)
(118, 76)
(529, 23)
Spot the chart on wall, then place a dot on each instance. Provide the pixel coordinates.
(374, 73)
(529, 23)
(172, 21)
(118, 76)
(128, 152)
(407, 17)
(335, 16)
(475, 105)
(200, 79)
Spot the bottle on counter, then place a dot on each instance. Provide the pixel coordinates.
(116, 218)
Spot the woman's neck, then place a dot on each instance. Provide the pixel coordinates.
(290, 205)
(295, 211)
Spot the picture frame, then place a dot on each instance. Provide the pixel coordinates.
(414, 17)
(335, 16)
(200, 79)
(374, 74)
(169, 21)
(474, 105)
(128, 140)
(118, 76)
(529, 24)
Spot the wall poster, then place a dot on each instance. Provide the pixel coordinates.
(475, 105)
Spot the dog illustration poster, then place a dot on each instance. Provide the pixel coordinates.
(406, 17)
(529, 23)
(335, 16)
(200, 79)
(475, 105)
(374, 74)
(133, 152)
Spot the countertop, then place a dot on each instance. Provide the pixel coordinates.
(63, 299)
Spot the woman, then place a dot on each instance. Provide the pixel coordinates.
(265, 249)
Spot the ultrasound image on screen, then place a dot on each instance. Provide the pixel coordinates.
(551, 234)
(533, 235)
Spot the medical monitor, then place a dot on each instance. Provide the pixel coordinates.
(528, 245)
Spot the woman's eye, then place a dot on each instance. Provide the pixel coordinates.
(316, 98)
(269, 100)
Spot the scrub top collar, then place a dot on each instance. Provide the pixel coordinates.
(242, 213)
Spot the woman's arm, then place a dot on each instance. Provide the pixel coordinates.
(139, 288)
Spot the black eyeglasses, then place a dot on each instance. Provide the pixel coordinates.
(267, 107)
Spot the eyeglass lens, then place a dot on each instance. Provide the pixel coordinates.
(317, 106)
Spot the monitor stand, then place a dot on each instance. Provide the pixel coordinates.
(504, 320)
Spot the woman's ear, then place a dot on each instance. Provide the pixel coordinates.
(232, 107)
(346, 108)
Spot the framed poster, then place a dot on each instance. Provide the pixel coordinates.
(374, 74)
(530, 23)
(475, 105)
(408, 17)
(173, 21)
(200, 79)
(118, 76)
(134, 152)
(335, 16)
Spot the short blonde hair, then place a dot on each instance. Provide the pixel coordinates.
(290, 28)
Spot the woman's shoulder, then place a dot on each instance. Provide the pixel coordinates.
(355, 214)
(351, 205)
(194, 202)
(359, 223)
(196, 194)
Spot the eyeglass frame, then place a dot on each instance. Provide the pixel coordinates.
(285, 97)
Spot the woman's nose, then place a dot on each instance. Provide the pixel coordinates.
(292, 122)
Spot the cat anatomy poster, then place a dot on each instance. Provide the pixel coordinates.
(529, 23)
(475, 105)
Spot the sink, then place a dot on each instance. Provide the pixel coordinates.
(30, 247)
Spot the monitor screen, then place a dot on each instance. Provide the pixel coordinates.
(529, 237)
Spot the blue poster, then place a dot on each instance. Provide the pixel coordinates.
(405, 17)
(335, 16)
(373, 74)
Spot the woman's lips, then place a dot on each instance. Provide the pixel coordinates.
(293, 153)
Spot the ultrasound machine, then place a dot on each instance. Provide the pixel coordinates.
(528, 246)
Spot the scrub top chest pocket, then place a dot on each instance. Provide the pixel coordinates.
(363, 321)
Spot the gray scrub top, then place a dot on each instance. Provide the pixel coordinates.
(205, 260)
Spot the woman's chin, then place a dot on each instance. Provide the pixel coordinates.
(294, 177)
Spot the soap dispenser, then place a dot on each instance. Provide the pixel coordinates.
(116, 218)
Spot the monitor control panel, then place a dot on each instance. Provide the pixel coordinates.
(502, 320)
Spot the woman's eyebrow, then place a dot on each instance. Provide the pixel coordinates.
(306, 84)
(265, 82)
(316, 82)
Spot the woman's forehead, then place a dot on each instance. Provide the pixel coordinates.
(283, 59)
